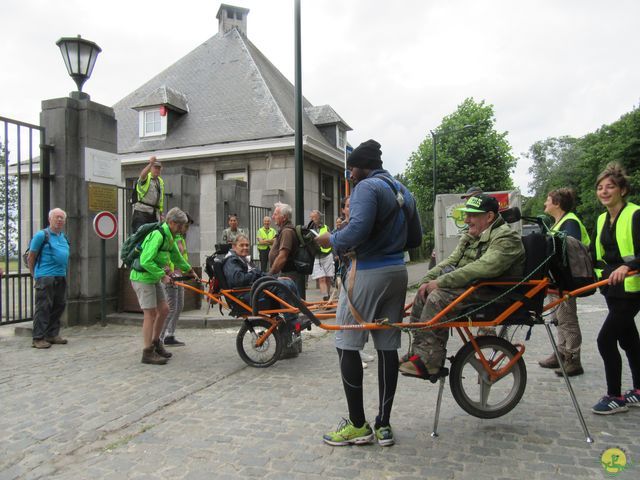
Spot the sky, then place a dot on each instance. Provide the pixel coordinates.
(391, 69)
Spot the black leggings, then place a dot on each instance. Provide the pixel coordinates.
(352, 375)
(620, 328)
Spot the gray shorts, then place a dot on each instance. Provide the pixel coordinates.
(149, 294)
(378, 293)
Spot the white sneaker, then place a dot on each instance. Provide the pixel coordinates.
(365, 357)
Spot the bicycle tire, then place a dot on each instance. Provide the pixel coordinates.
(255, 356)
(471, 387)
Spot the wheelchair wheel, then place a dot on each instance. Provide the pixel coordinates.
(474, 391)
(261, 356)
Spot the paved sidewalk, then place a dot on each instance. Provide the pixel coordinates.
(90, 409)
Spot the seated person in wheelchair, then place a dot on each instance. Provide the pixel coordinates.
(240, 273)
(489, 249)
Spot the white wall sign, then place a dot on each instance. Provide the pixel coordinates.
(102, 167)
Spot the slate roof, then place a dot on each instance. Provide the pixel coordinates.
(325, 115)
(233, 93)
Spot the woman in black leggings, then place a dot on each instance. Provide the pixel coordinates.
(617, 252)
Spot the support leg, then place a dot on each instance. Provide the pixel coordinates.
(569, 387)
(434, 433)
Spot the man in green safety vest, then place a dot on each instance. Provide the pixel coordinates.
(323, 267)
(149, 194)
(265, 237)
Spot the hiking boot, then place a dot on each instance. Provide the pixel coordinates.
(609, 405)
(347, 434)
(57, 340)
(385, 436)
(40, 343)
(160, 350)
(173, 342)
(414, 367)
(150, 356)
(632, 398)
(572, 366)
(551, 361)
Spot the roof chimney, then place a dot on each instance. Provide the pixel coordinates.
(232, 17)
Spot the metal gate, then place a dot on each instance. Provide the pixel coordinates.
(24, 208)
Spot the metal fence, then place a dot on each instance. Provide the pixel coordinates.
(24, 206)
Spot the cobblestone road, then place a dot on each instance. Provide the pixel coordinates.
(90, 409)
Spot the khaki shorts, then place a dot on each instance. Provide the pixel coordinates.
(323, 267)
(149, 294)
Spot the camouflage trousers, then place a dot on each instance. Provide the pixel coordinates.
(429, 344)
(569, 335)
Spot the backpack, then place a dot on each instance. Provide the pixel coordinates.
(132, 246)
(304, 256)
(379, 227)
(25, 255)
(572, 266)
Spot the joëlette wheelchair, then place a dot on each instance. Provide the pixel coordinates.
(264, 335)
(488, 374)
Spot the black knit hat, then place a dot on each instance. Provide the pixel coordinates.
(366, 155)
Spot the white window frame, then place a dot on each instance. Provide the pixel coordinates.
(341, 138)
(142, 123)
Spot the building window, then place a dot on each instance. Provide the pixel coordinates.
(342, 138)
(153, 123)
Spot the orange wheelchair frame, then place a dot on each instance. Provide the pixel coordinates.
(484, 363)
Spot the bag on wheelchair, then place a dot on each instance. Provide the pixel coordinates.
(572, 267)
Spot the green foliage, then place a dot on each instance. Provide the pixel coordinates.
(8, 212)
(576, 163)
(469, 152)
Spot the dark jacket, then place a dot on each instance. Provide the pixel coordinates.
(236, 271)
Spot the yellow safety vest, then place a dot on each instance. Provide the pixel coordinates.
(583, 231)
(324, 229)
(624, 239)
(144, 188)
(265, 235)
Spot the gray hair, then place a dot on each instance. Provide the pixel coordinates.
(178, 216)
(240, 236)
(52, 211)
(285, 209)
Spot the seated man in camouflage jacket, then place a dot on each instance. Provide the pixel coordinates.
(488, 249)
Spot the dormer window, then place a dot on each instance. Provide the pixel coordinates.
(342, 138)
(153, 122)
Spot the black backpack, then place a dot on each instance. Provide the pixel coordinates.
(304, 256)
(132, 246)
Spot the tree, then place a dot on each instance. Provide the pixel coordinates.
(576, 163)
(8, 212)
(470, 152)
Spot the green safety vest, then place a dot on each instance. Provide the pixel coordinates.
(624, 239)
(324, 229)
(144, 188)
(264, 235)
(583, 231)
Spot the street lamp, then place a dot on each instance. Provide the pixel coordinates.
(434, 137)
(79, 56)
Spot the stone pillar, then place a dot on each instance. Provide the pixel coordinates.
(71, 124)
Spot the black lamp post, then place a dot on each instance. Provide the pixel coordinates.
(79, 56)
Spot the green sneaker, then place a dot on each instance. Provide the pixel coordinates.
(347, 434)
(385, 436)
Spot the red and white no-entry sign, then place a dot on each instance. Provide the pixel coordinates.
(105, 225)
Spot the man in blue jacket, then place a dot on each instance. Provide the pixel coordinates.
(383, 223)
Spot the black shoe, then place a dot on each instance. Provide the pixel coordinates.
(173, 342)
(325, 298)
